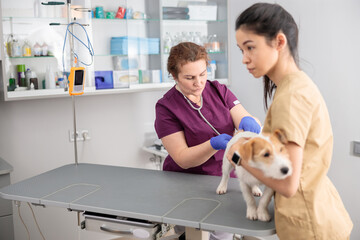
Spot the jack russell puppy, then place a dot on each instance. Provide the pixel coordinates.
(262, 151)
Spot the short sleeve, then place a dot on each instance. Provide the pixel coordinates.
(230, 100)
(292, 113)
(166, 122)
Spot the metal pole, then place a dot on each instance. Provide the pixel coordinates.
(75, 132)
(72, 62)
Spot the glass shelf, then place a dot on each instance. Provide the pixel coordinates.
(35, 18)
(219, 52)
(32, 57)
(122, 55)
(191, 21)
(88, 91)
(124, 19)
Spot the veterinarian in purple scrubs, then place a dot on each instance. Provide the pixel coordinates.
(196, 118)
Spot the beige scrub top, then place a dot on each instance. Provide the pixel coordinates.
(316, 210)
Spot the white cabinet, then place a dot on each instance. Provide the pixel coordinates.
(130, 54)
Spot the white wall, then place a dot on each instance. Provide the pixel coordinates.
(34, 138)
(329, 48)
(34, 134)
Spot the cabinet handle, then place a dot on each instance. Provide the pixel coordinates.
(112, 230)
(138, 233)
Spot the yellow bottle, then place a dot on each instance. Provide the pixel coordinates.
(26, 49)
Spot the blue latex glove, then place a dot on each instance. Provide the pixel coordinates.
(249, 124)
(220, 142)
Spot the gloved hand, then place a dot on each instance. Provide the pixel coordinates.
(220, 142)
(249, 124)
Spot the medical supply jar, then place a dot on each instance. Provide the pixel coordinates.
(99, 12)
(120, 13)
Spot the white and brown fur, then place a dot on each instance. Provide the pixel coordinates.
(264, 152)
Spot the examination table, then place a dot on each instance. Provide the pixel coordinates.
(188, 200)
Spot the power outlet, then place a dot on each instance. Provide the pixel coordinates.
(356, 146)
(81, 135)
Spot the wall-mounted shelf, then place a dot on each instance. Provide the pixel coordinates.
(88, 91)
(101, 30)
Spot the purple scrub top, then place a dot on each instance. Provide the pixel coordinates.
(174, 114)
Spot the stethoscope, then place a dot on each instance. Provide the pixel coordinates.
(199, 110)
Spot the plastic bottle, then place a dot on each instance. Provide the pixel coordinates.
(26, 49)
(20, 68)
(61, 82)
(34, 80)
(37, 49)
(9, 43)
(22, 79)
(12, 82)
(215, 44)
(27, 77)
(49, 78)
(213, 68)
(44, 49)
(16, 49)
(167, 42)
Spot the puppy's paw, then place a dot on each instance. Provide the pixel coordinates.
(263, 215)
(221, 189)
(251, 213)
(256, 191)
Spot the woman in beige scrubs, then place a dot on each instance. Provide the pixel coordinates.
(307, 205)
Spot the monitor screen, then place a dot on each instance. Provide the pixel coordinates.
(79, 77)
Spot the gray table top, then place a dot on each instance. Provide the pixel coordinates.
(167, 197)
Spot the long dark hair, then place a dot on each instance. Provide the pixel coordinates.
(268, 20)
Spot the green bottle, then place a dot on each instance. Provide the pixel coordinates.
(22, 80)
(12, 83)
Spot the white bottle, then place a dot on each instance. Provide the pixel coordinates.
(167, 43)
(16, 49)
(49, 78)
(44, 49)
(27, 77)
(213, 69)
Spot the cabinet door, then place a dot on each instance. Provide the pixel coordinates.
(204, 23)
(34, 37)
(6, 228)
(127, 45)
(5, 205)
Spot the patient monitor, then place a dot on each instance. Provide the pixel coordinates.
(76, 81)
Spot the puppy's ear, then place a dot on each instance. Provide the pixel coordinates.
(280, 134)
(246, 150)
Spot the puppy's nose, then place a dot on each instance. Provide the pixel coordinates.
(284, 170)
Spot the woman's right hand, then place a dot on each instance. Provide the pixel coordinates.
(220, 142)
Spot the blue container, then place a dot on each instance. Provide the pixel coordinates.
(104, 79)
(153, 45)
(124, 45)
(149, 45)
